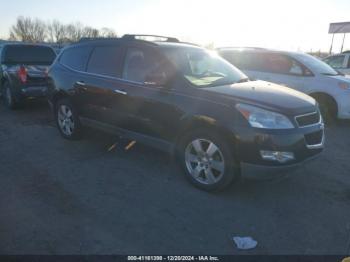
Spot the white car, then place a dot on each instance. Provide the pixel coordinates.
(340, 62)
(299, 71)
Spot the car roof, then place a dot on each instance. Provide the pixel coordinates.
(175, 45)
(170, 43)
(24, 44)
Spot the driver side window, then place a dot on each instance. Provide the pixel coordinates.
(139, 64)
(281, 64)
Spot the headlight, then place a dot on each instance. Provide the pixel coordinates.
(261, 118)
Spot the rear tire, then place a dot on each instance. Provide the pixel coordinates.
(10, 100)
(67, 120)
(207, 161)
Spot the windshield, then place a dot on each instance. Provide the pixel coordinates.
(203, 68)
(27, 54)
(317, 65)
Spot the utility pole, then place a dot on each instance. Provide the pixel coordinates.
(342, 46)
(330, 51)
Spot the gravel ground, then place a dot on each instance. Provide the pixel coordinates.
(62, 197)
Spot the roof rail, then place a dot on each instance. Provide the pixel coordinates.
(84, 39)
(142, 37)
(243, 47)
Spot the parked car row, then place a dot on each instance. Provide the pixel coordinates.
(187, 101)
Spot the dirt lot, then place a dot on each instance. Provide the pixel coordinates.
(61, 197)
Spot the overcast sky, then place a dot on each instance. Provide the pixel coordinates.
(292, 25)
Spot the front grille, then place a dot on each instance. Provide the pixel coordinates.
(309, 119)
(315, 138)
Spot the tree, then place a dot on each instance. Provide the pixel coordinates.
(28, 30)
(107, 32)
(56, 32)
(90, 32)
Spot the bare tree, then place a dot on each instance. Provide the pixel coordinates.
(35, 30)
(74, 32)
(90, 32)
(107, 32)
(56, 32)
(28, 29)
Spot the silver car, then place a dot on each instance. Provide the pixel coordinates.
(299, 71)
(340, 62)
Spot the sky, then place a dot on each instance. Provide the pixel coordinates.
(299, 25)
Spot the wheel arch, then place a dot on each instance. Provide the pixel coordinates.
(58, 96)
(317, 95)
(201, 122)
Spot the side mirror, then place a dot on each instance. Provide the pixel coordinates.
(156, 79)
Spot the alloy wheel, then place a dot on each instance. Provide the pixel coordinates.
(66, 120)
(204, 161)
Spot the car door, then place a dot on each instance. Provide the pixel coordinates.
(72, 68)
(98, 93)
(151, 109)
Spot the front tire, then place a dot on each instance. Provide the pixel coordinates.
(328, 109)
(207, 161)
(67, 120)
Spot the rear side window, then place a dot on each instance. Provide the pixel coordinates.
(76, 57)
(105, 60)
(27, 54)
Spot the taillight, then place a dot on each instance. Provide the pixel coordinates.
(22, 74)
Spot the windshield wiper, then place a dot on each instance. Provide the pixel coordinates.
(221, 82)
(329, 74)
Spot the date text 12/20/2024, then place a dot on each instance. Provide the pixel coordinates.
(173, 258)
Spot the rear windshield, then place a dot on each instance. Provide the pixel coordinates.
(41, 55)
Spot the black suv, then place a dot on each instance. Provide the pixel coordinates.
(23, 72)
(184, 100)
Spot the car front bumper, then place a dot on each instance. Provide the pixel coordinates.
(344, 105)
(303, 143)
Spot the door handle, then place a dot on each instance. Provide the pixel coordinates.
(120, 92)
(81, 85)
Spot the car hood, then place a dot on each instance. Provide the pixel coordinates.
(269, 95)
(341, 78)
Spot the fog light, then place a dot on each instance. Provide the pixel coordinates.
(281, 157)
